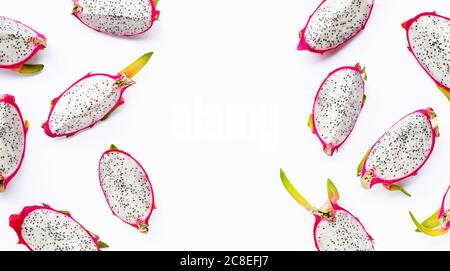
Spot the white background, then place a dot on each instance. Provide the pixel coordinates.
(220, 108)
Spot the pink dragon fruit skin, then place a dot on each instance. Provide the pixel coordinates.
(335, 229)
(421, 142)
(321, 16)
(26, 40)
(338, 83)
(438, 223)
(40, 228)
(429, 41)
(17, 127)
(113, 27)
(130, 198)
(96, 96)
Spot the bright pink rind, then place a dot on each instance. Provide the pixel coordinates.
(120, 101)
(16, 221)
(37, 48)
(152, 207)
(9, 99)
(153, 18)
(303, 45)
(442, 211)
(356, 68)
(407, 25)
(378, 180)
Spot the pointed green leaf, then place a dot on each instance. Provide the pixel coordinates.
(137, 65)
(364, 74)
(113, 147)
(102, 244)
(30, 68)
(156, 2)
(445, 91)
(398, 188)
(431, 222)
(364, 100)
(310, 123)
(428, 231)
(294, 193)
(333, 193)
(361, 164)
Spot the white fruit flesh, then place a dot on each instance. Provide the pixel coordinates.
(429, 37)
(15, 42)
(126, 187)
(117, 17)
(12, 139)
(336, 21)
(338, 105)
(84, 104)
(402, 149)
(47, 230)
(344, 234)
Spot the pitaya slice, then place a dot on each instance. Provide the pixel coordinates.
(401, 152)
(91, 99)
(428, 37)
(18, 44)
(117, 17)
(439, 222)
(127, 188)
(42, 228)
(335, 228)
(337, 106)
(12, 139)
(334, 23)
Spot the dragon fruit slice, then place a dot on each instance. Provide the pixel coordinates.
(18, 44)
(127, 188)
(117, 17)
(439, 222)
(335, 228)
(401, 152)
(12, 139)
(42, 228)
(334, 23)
(91, 99)
(337, 106)
(428, 37)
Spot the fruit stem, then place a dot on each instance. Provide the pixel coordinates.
(142, 227)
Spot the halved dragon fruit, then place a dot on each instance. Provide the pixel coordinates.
(428, 37)
(127, 188)
(117, 17)
(91, 99)
(42, 228)
(334, 23)
(439, 222)
(337, 105)
(13, 139)
(335, 228)
(401, 152)
(18, 44)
